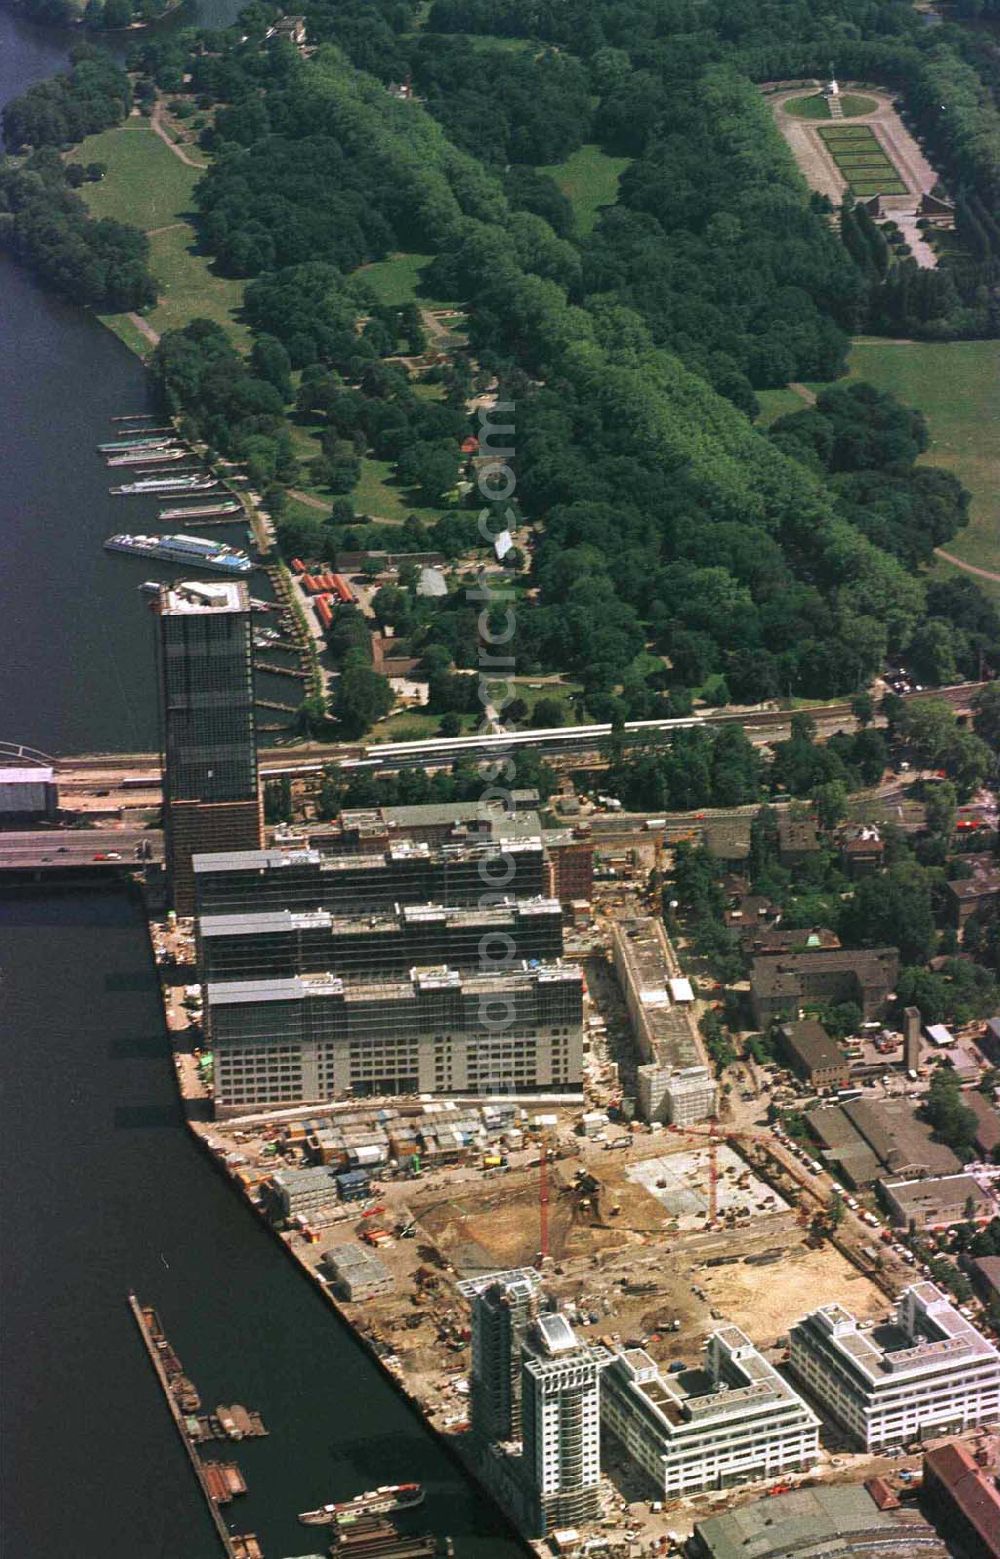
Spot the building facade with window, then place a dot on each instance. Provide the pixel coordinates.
(211, 796)
(731, 1421)
(437, 1030)
(928, 1371)
(561, 1424)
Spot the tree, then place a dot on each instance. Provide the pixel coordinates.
(362, 696)
(450, 724)
(548, 713)
(831, 804)
(940, 804)
(986, 714)
(892, 910)
(311, 717)
(863, 709)
(835, 1210)
(953, 1121)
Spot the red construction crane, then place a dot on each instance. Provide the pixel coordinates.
(543, 1199)
(713, 1173)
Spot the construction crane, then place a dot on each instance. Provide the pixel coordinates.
(543, 1201)
(713, 1172)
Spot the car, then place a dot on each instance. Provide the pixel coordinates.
(62, 849)
(113, 855)
(100, 856)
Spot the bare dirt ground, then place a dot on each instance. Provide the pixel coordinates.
(766, 1300)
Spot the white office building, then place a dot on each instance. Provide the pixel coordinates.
(927, 1371)
(731, 1420)
(561, 1423)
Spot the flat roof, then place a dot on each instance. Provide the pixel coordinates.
(194, 596)
(299, 987)
(23, 775)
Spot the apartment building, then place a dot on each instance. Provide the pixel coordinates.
(561, 1425)
(314, 1037)
(504, 1304)
(733, 1419)
(927, 1371)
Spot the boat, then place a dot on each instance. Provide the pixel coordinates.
(195, 511)
(138, 457)
(192, 550)
(150, 587)
(168, 484)
(121, 446)
(390, 1496)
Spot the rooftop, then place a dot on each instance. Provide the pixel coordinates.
(812, 1045)
(832, 1522)
(927, 1334)
(194, 596)
(972, 1490)
(26, 775)
(926, 1198)
(868, 1138)
(300, 987)
(781, 975)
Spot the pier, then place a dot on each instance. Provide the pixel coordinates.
(274, 703)
(277, 670)
(240, 1546)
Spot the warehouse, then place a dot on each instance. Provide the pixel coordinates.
(27, 795)
(833, 1522)
(934, 1203)
(813, 1055)
(963, 1499)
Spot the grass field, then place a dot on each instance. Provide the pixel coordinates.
(817, 106)
(956, 384)
(400, 280)
(777, 403)
(862, 160)
(589, 178)
(147, 186)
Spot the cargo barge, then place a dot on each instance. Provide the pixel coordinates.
(147, 456)
(202, 511)
(166, 484)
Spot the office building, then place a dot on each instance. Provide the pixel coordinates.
(274, 944)
(437, 1030)
(779, 986)
(928, 1371)
(211, 796)
(963, 1500)
(478, 871)
(674, 1081)
(560, 1423)
(732, 1420)
(504, 1304)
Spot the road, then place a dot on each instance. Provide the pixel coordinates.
(59, 847)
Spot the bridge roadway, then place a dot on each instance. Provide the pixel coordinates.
(140, 772)
(89, 852)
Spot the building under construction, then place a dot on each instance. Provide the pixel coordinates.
(274, 944)
(241, 882)
(503, 1306)
(674, 1081)
(316, 1037)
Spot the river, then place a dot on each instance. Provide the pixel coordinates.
(103, 1188)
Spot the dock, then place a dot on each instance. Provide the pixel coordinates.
(235, 1546)
(273, 703)
(277, 670)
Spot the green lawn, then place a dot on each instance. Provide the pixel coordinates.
(817, 106)
(189, 289)
(777, 403)
(380, 495)
(400, 280)
(589, 178)
(862, 160)
(956, 384)
(147, 186)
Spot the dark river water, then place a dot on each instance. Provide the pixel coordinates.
(103, 1189)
